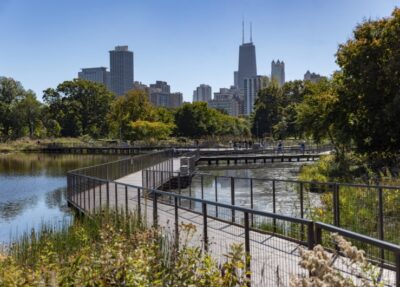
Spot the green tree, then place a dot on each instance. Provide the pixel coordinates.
(29, 112)
(80, 107)
(131, 107)
(144, 130)
(266, 111)
(194, 120)
(369, 87)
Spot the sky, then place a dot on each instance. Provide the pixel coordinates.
(183, 42)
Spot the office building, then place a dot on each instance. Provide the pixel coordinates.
(251, 88)
(278, 72)
(202, 93)
(247, 67)
(121, 70)
(97, 75)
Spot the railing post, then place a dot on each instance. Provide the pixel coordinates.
(302, 209)
(336, 205)
(179, 187)
(108, 196)
(310, 239)
(116, 197)
(318, 235)
(155, 215)
(139, 207)
(251, 201)
(233, 197)
(247, 245)
(397, 269)
(205, 234)
(216, 195)
(380, 220)
(274, 203)
(126, 200)
(176, 222)
(94, 196)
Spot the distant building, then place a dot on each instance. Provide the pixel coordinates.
(247, 67)
(227, 100)
(251, 88)
(97, 75)
(160, 95)
(202, 93)
(121, 70)
(312, 77)
(140, 86)
(278, 72)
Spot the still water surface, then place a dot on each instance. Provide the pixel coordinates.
(32, 189)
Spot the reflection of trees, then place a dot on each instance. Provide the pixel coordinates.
(56, 198)
(47, 164)
(10, 209)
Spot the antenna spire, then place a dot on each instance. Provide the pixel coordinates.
(243, 31)
(251, 33)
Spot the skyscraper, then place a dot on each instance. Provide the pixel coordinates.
(202, 93)
(247, 61)
(312, 77)
(278, 72)
(121, 70)
(97, 75)
(251, 88)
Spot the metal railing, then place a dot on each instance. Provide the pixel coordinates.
(366, 209)
(270, 236)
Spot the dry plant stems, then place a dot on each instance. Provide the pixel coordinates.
(322, 273)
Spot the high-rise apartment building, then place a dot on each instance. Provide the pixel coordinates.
(247, 63)
(312, 77)
(251, 88)
(160, 95)
(121, 70)
(97, 75)
(227, 100)
(278, 72)
(202, 93)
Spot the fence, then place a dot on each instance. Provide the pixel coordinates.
(366, 209)
(272, 240)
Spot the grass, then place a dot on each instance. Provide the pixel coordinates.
(112, 249)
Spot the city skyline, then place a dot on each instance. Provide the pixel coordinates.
(183, 51)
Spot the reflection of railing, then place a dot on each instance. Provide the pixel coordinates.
(248, 226)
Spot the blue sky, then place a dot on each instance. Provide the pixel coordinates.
(184, 42)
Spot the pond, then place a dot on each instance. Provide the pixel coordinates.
(32, 189)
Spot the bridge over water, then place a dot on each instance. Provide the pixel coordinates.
(272, 240)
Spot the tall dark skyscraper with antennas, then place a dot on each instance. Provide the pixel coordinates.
(247, 61)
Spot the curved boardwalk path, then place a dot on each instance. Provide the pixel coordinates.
(274, 260)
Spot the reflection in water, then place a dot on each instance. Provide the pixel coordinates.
(33, 187)
(287, 194)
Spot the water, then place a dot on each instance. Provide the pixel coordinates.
(287, 194)
(32, 189)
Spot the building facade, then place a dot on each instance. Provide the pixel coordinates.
(121, 70)
(97, 75)
(312, 77)
(202, 93)
(251, 88)
(278, 72)
(160, 95)
(227, 100)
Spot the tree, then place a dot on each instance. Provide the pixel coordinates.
(144, 130)
(29, 111)
(131, 107)
(266, 111)
(80, 107)
(369, 86)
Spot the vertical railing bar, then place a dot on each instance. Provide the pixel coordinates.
(205, 234)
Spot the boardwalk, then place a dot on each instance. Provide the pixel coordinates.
(274, 260)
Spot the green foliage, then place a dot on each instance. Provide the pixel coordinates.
(142, 130)
(131, 107)
(114, 250)
(79, 107)
(197, 120)
(20, 111)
